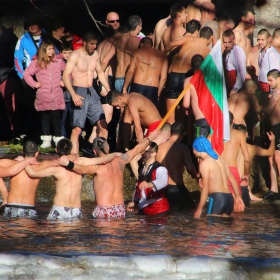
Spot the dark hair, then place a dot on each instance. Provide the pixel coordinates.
(153, 147)
(264, 32)
(241, 127)
(146, 41)
(114, 96)
(196, 61)
(56, 24)
(245, 13)
(64, 147)
(276, 33)
(166, 127)
(98, 144)
(66, 46)
(230, 117)
(177, 128)
(228, 33)
(192, 26)
(31, 20)
(176, 8)
(274, 73)
(88, 36)
(30, 148)
(133, 22)
(206, 32)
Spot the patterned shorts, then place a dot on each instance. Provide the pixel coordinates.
(61, 213)
(109, 212)
(20, 211)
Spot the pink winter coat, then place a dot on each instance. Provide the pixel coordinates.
(50, 95)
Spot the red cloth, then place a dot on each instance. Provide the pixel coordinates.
(152, 127)
(231, 78)
(236, 175)
(264, 86)
(157, 207)
(77, 42)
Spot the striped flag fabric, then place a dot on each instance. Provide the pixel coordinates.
(209, 82)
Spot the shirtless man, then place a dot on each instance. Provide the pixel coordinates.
(214, 175)
(67, 199)
(159, 29)
(113, 21)
(235, 63)
(179, 17)
(182, 64)
(208, 14)
(225, 23)
(122, 47)
(273, 110)
(230, 153)
(108, 179)
(254, 151)
(201, 126)
(140, 110)
(174, 155)
(82, 65)
(148, 70)
(243, 30)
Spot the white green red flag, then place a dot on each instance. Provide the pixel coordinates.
(209, 82)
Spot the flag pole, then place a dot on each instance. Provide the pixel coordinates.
(173, 106)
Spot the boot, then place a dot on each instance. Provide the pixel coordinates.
(46, 141)
(56, 139)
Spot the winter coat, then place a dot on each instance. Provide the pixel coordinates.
(49, 96)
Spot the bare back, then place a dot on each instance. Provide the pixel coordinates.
(190, 48)
(159, 29)
(171, 33)
(253, 64)
(144, 108)
(149, 64)
(242, 40)
(239, 105)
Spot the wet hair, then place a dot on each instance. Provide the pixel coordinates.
(114, 96)
(274, 73)
(264, 32)
(245, 13)
(146, 41)
(88, 36)
(176, 8)
(276, 33)
(196, 61)
(166, 127)
(133, 22)
(30, 148)
(177, 128)
(66, 46)
(230, 117)
(153, 147)
(206, 32)
(42, 59)
(192, 26)
(99, 144)
(241, 127)
(228, 33)
(64, 147)
(247, 84)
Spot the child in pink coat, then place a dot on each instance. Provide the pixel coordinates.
(49, 96)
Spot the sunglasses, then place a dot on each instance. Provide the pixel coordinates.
(114, 20)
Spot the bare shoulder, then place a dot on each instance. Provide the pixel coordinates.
(6, 162)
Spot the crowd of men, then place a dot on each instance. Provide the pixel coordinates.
(120, 86)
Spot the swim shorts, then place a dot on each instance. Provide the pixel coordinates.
(236, 175)
(111, 82)
(174, 84)
(179, 196)
(275, 128)
(119, 84)
(245, 195)
(148, 91)
(109, 212)
(61, 213)
(220, 203)
(20, 211)
(91, 108)
(202, 128)
(152, 127)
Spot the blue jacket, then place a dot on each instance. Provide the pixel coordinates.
(24, 51)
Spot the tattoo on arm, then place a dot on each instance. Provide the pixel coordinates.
(123, 161)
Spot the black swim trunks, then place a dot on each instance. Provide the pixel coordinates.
(179, 197)
(275, 128)
(98, 88)
(202, 128)
(148, 91)
(245, 195)
(220, 203)
(174, 84)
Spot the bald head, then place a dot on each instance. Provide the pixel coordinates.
(113, 20)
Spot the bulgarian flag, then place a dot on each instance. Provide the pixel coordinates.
(209, 82)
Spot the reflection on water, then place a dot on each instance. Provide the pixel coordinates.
(255, 233)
